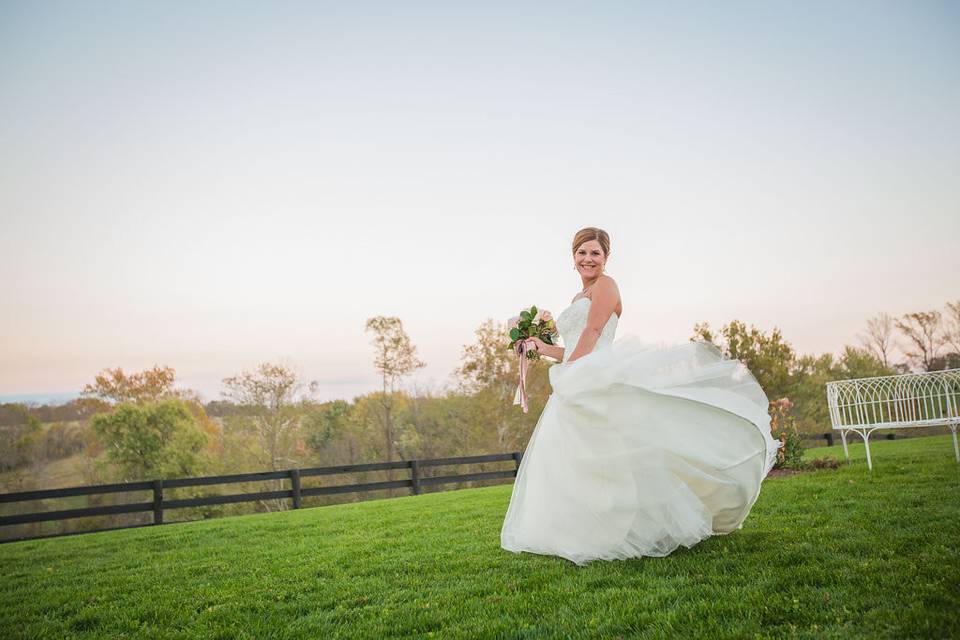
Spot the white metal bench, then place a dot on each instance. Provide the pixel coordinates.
(893, 402)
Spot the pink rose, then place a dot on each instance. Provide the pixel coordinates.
(542, 315)
(513, 323)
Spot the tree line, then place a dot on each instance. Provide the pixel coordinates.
(142, 425)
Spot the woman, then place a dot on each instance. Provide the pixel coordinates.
(638, 450)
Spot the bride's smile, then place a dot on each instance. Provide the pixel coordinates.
(589, 261)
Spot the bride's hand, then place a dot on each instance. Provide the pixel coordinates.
(538, 342)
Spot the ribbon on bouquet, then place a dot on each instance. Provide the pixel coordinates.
(522, 347)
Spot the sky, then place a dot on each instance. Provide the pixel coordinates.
(213, 185)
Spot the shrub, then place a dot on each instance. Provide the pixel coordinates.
(783, 426)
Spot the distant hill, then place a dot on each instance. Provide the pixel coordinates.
(40, 398)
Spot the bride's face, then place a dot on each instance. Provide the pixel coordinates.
(589, 259)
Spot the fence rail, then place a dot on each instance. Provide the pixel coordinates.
(296, 493)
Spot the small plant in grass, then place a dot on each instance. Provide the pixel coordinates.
(821, 463)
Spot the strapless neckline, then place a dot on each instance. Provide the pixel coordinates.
(588, 299)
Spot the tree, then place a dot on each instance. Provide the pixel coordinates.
(811, 375)
(879, 338)
(925, 337)
(487, 362)
(768, 356)
(270, 395)
(326, 422)
(489, 371)
(19, 437)
(146, 386)
(395, 358)
(951, 331)
(151, 439)
(808, 392)
(860, 363)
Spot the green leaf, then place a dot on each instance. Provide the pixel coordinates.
(515, 334)
(525, 315)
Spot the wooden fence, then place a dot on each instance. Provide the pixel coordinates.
(296, 493)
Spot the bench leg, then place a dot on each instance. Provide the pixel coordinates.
(846, 452)
(865, 434)
(956, 449)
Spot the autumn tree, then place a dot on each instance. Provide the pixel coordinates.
(149, 385)
(113, 387)
(269, 397)
(489, 371)
(878, 338)
(486, 362)
(395, 358)
(924, 337)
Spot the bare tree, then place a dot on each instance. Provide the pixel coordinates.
(879, 338)
(395, 358)
(952, 330)
(268, 397)
(925, 338)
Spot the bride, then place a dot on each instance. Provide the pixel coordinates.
(638, 450)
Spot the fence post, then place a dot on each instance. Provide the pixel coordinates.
(829, 436)
(415, 477)
(295, 486)
(158, 502)
(518, 456)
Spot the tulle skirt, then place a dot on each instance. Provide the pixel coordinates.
(639, 450)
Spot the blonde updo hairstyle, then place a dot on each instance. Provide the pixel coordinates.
(592, 233)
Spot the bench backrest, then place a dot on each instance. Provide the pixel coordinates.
(908, 400)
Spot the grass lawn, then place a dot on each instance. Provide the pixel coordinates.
(829, 554)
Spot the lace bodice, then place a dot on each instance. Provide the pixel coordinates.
(573, 320)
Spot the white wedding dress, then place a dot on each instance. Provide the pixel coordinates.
(638, 450)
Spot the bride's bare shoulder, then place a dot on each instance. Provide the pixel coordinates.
(608, 282)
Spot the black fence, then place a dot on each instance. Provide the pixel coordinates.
(828, 437)
(415, 483)
(815, 437)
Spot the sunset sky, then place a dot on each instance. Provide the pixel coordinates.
(213, 185)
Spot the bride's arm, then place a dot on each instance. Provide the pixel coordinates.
(550, 350)
(602, 303)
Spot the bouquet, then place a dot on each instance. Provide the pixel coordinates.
(531, 323)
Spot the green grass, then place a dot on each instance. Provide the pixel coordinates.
(830, 554)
